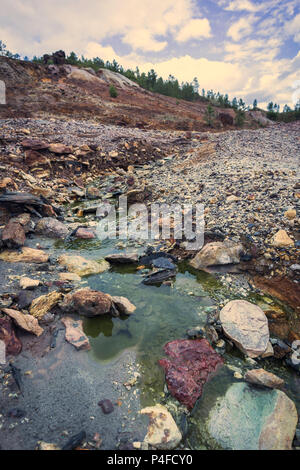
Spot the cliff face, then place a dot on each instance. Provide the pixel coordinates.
(36, 90)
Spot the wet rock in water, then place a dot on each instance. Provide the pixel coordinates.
(43, 304)
(8, 335)
(163, 263)
(25, 322)
(282, 240)
(74, 333)
(27, 283)
(191, 364)
(87, 302)
(124, 306)
(26, 255)
(217, 253)
(85, 233)
(81, 266)
(251, 419)
(106, 406)
(196, 333)
(262, 377)
(122, 258)
(47, 446)
(13, 235)
(211, 334)
(52, 228)
(2, 352)
(247, 326)
(163, 432)
(159, 277)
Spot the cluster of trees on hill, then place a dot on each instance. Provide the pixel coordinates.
(188, 91)
(287, 115)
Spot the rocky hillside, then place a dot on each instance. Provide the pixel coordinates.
(35, 90)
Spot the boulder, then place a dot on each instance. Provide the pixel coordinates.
(264, 378)
(217, 253)
(282, 240)
(50, 227)
(85, 233)
(122, 258)
(251, 419)
(163, 432)
(26, 255)
(8, 335)
(2, 353)
(74, 333)
(81, 266)
(27, 283)
(192, 363)
(87, 302)
(247, 326)
(43, 304)
(123, 305)
(25, 322)
(13, 235)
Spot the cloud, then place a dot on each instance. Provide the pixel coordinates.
(241, 28)
(144, 40)
(293, 28)
(194, 29)
(243, 5)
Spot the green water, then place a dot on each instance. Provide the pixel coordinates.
(163, 314)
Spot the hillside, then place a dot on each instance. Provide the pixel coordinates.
(35, 90)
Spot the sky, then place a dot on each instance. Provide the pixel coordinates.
(246, 48)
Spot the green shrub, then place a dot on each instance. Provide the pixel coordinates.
(113, 92)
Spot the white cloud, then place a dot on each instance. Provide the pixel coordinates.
(194, 29)
(241, 28)
(293, 28)
(243, 5)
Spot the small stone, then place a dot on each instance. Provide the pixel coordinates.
(27, 283)
(47, 446)
(87, 302)
(247, 326)
(81, 266)
(50, 227)
(13, 235)
(163, 432)
(106, 406)
(217, 253)
(123, 305)
(290, 214)
(232, 198)
(43, 304)
(26, 255)
(122, 258)
(25, 322)
(262, 377)
(85, 233)
(74, 333)
(69, 277)
(281, 240)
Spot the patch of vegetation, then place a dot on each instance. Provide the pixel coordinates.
(113, 92)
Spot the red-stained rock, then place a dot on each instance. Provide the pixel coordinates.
(8, 335)
(190, 365)
(85, 233)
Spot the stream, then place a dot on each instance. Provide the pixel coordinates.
(163, 314)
